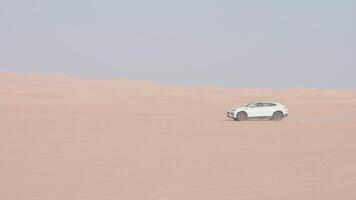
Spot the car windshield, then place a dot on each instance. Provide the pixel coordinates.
(248, 105)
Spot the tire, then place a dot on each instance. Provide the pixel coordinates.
(241, 116)
(278, 115)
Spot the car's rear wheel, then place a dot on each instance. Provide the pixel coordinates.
(241, 116)
(277, 115)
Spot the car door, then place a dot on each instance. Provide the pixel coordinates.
(254, 110)
(270, 109)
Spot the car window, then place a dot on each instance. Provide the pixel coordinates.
(269, 104)
(254, 105)
(259, 104)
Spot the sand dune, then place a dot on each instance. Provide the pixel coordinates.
(64, 138)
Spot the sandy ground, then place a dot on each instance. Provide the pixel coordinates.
(63, 138)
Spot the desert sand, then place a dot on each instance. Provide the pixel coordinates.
(63, 138)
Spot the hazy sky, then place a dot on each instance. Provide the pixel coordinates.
(251, 43)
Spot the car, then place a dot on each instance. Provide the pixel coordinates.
(259, 110)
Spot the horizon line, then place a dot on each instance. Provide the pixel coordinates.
(79, 78)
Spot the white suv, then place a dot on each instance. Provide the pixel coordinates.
(270, 110)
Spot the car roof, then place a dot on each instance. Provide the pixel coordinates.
(267, 102)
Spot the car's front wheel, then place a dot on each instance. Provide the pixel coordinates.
(241, 116)
(277, 115)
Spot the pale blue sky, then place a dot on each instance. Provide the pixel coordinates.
(251, 43)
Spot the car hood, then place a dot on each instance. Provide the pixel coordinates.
(237, 109)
